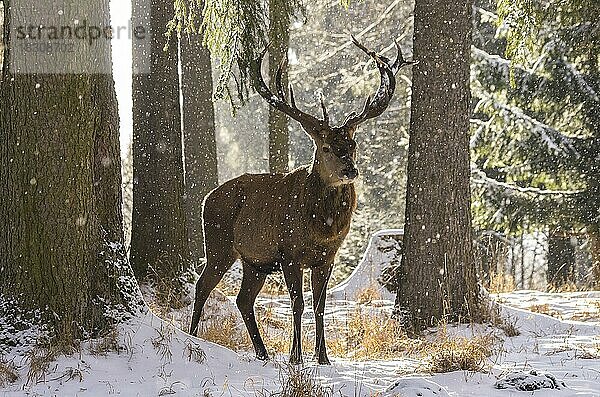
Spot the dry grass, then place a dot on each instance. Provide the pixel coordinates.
(162, 342)
(374, 335)
(492, 314)
(299, 382)
(509, 326)
(585, 315)
(371, 335)
(8, 373)
(368, 295)
(501, 282)
(277, 333)
(194, 352)
(567, 287)
(275, 285)
(367, 333)
(226, 332)
(544, 309)
(457, 353)
(109, 342)
(43, 354)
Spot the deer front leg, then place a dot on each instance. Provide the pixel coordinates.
(292, 274)
(319, 279)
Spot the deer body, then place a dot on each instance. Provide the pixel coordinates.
(292, 221)
(294, 216)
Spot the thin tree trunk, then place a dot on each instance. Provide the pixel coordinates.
(594, 237)
(61, 238)
(199, 138)
(522, 261)
(513, 260)
(438, 280)
(159, 237)
(534, 261)
(561, 259)
(2, 35)
(279, 35)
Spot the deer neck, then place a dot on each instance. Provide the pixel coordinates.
(329, 206)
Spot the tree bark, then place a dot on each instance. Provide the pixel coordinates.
(2, 35)
(158, 238)
(561, 259)
(61, 238)
(437, 275)
(199, 136)
(594, 241)
(279, 35)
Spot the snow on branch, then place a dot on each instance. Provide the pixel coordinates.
(554, 140)
(479, 177)
(493, 74)
(582, 83)
(495, 71)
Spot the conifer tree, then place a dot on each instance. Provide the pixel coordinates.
(62, 260)
(437, 280)
(537, 127)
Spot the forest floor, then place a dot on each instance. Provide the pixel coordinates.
(559, 338)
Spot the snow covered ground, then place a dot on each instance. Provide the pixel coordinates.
(156, 358)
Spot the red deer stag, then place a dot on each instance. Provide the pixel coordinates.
(289, 221)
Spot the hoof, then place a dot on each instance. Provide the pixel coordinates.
(262, 356)
(323, 360)
(295, 360)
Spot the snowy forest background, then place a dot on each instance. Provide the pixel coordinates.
(533, 132)
(529, 156)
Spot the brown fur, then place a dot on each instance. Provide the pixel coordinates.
(294, 216)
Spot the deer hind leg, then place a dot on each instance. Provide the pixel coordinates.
(292, 274)
(252, 283)
(319, 278)
(217, 265)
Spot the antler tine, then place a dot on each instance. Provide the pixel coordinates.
(308, 122)
(400, 62)
(354, 118)
(362, 47)
(292, 98)
(379, 102)
(324, 108)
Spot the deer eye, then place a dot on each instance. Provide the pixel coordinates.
(326, 149)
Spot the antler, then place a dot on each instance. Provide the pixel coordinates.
(374, 105)
(279, 102)
(379, 102)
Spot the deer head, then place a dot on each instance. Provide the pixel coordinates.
(335, 152)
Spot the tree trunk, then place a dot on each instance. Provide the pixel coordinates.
(200, 144)
(594, 238)
(158, 236)
(1, 35)
(437, 275)
(279, 35)
(61, 238)
(561, 259)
